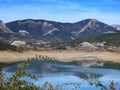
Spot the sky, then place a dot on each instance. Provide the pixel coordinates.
(107, 11)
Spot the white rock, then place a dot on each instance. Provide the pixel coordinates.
(51, 31)
(88, 25)
(99, 44)
(87, 45)
(109, 32)
(18, 43)
(72, 37)
(23, 32)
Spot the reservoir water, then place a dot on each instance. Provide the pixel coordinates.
(62, 73)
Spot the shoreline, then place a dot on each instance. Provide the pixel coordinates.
(63, 56)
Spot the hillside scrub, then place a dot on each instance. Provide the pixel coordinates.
(7, 46)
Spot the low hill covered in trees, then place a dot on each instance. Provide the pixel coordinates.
(7, 46)
(108, 38)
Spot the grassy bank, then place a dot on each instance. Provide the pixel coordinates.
(64, 56)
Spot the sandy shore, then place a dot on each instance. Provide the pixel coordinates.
(65, 56)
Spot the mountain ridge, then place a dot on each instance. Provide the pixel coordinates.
(116, 26)
(58, 31)
(4, 28)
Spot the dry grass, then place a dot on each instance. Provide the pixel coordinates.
(65, 56)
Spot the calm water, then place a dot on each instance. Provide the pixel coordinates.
(59, 73)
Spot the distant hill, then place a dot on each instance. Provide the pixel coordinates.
(4, 28)
(5, 32)
(109, 38)
(57, 31)
(117, 27)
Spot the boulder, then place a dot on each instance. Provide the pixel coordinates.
(18, 43)
(88, 46)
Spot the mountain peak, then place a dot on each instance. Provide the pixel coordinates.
(92, 20)
(4, 28)
(88, 20)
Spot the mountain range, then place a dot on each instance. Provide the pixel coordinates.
(53, 31)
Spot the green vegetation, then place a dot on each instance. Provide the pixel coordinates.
(7, 46)
(109, 65)
(15, 83)
(110, 39)
(61, 47)
(42, 58)
(112, 65)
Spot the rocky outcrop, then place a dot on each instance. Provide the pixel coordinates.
(88, 46)
(18, 43)
(23, 32)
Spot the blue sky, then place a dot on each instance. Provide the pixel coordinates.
(107, 11)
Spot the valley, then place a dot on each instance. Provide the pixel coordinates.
(24, 39)
(59, 45)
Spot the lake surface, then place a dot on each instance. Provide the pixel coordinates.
(60, 73)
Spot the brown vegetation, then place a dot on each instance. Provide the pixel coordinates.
(65, 55)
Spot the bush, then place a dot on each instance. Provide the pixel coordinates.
(14, 82)
(7, 46)
(61, 47)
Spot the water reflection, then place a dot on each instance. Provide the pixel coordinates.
(59, 73)
(52, 69)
